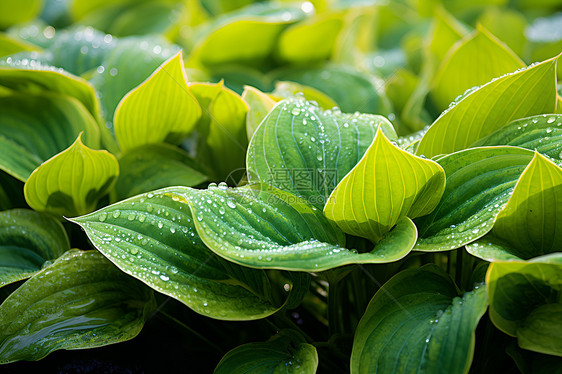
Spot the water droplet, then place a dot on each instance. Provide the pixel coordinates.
(164, 277)
(174, 270)
(222, 210)
(134, 251)
(160, 224)
(142, 217)
(172, 230)
(100, 69)
(319, 158)
(116, 214)
(231, 204)
(102, 216)
(113, 72)
(295, 111)
(549, 130)
(131, 216)
(550, 120)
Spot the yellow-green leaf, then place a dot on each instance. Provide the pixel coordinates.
(387, 184)
(162, 108)
(288, 89)
(259, 104)
(72, 182)
(523, 93)
(13, 12)
(10, 45)
(471, 62)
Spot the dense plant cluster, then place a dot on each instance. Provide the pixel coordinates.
(373, 186)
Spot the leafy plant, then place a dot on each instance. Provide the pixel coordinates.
(282, 186)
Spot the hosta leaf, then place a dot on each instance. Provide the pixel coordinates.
(263, 227)
(13, 12)
(154, 166)
(73, 181)
(479, 183)
(289, 90)
(418, 323)
(544, 38)
(311, 40)
(307, 151)
(508, 25)
(542, 133)
(153, 238)
(472, 62)
(259, 104)
(222, 128)
(161, 109)
(523, 93)
(532, 362)
(529, 225)
(9, 45)
(386, 185)
(286, 352)
(351, 89)
(80, 301)
(35, 127)
(525, 303)
(28, 241)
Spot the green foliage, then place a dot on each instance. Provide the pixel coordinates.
(248, 174)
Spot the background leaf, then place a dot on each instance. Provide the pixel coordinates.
(80, 301)
(418, 323)
(259, 104)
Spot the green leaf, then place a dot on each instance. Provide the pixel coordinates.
(161, 109)
(286, 352)
(9, 45)
(153, 238)
(311, 40)
(525, 303)
(13, 12)
(28, 241)
(471, 62)
(479, 183)
(542, 133)
(544, 38)
(154, 166)
(263, 227)
(222, 139)
(289, 90)
(523, 93)
(306, 151)
(259, 104)
(418, 323)
(72, 182)
(507, 25)
(445, 32)
(80, 301)
(386, 185)
(529, 225)
(35, 127)
(533, 363)
(361, 91)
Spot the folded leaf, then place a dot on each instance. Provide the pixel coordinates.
(479, 183)
(153, 238)
(80, 301)
(525, 303)
(34, 128)
(386, 185)
(28, 241)
(259, 104)
(288, 90)
(161, 109)
(529, 225)
(73, 181)
(418, 323)
(523, 93)
(307, 151)
(286, 352)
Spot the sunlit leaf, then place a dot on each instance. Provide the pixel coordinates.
(386, 185)
(161, 109)
(80, 301)
(259, 104)
(13, 12)
(28, 241)
(288, 90)
(10, 45)
(418, 323)
(508, 25)
(72, 182)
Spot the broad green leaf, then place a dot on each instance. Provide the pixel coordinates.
(529, 225)
(291, 89)
(152, 237)
(154, 166)
(161, 109)
(311, 40)
(542, 133)
(80, 301)
(307, 151)
(10, 45)
(532, 362)
(479, 183)
(386, 185)
(72, 182)
(263, 227)
(445, 31)
(35, 127)
(221, 130)
(245, 36)
(13, 12)
(525, 303)
(508, 25)
(523, 93)
(259, 104)
(28, 241)
(351, 89)
(544, 38)
(286, 352)
(418, 323)
(472, 61)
